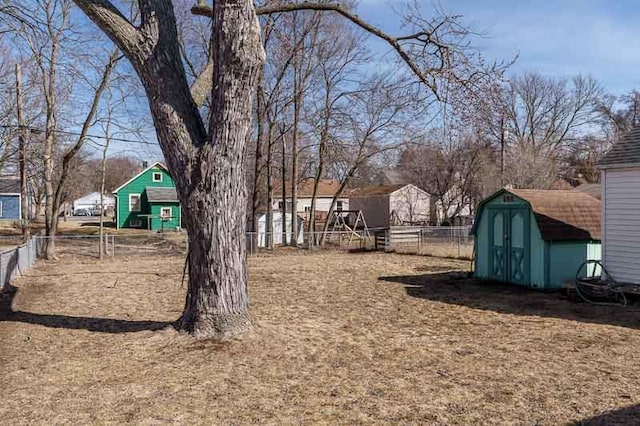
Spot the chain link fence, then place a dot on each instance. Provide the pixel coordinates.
(440, 241)
(453, 242)
(16, 260)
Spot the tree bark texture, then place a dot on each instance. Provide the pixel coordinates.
(218, 300)
(208, 167)
(25, 223)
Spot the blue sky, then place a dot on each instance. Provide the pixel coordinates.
(555, 37)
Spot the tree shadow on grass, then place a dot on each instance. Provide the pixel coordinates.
(453, 289)
(622, 416)
(100, 325)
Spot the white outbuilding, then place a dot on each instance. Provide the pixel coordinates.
(92, 202)
(277, 229)
(620, 178)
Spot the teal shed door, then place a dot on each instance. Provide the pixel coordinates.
(509, 245)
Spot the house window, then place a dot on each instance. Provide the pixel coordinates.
(134, 203)
(136, 223)
(339, 206)
(157, 177)
(280, 205)
(1, 212)
(307, 208)
(165, 213)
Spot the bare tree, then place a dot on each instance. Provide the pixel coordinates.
(208, 165)
(377, 122)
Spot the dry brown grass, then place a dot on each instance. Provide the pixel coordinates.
(339, 338)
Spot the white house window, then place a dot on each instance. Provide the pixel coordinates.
(157, 177)
(280, 205)
(165, 213)
(307, 208)
(134, 203)
(339, 206)
(136, 223)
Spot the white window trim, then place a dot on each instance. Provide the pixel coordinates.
(139, 202)
(153, 176)
(164, 209)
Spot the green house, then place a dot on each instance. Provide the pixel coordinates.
(536, 238)
(148, 201)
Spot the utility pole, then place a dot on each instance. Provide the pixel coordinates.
(22, 136)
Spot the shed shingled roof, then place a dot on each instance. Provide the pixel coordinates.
(564, 215)
(625, 151)
(156, 195)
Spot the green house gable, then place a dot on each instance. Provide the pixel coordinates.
(140, 205)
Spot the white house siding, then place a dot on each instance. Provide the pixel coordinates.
(621, 223)
(410, 204)
(304, 204)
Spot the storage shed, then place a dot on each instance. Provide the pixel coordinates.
(536, 238)
(392, 205)
(276, 226)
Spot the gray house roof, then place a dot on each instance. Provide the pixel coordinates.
(625, 151)
(9, 186)
(156, 195)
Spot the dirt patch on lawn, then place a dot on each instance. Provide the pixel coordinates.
(338, 338)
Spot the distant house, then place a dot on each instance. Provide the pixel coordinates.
(620, 179)
(148, 201)
(391, 205)
(10, 208)
(91, 202)
(327, 189)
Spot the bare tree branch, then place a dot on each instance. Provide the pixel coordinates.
(117, 27)
(421, 37)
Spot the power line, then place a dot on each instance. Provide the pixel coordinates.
(65, 132)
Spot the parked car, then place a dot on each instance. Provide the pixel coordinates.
(95, 212)
(82, 212)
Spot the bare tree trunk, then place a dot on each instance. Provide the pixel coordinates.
(258, 168)
(217, 303)
(269, 223)
(294, 173)
(297, 94)
(283, 211)
(22, 136)
(321, 157)
(102, 183)
(49, 214)
(58, 197)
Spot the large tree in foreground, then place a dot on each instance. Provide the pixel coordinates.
(206, 160)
